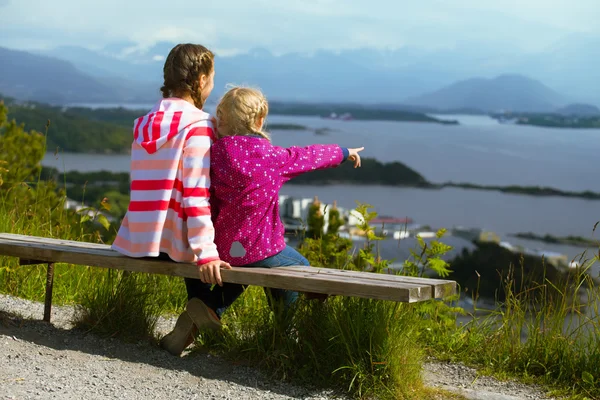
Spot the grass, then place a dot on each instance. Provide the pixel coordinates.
(124, 304)
(544, 333)
(362, 346)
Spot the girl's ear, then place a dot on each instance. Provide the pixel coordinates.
(260, 122)
(202, 80)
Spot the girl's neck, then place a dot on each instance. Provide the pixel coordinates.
(188, 98)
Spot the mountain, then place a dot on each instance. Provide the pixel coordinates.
(366, 75)
(361, 75)
(32, 77)
(109, 63)
(579, 110)
(505, 92)
(323, 76)
(27, 76)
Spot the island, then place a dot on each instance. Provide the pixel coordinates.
(579, 116)
(578, 241)
(346, 112)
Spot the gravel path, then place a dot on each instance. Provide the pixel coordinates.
(463, 380)
(54, 361)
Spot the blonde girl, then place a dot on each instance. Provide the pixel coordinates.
(247, 171)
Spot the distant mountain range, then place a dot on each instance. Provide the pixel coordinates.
(366, 75)
(28, 76)
(407, 78)
(504, 93)
(322, 77)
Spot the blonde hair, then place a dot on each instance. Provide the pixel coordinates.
(239, 111)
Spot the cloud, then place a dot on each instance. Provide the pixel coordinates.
(297, 25)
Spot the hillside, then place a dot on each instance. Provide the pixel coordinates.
(73, 130)
(33, 77)
(505, 92)
(385, 75)
(28, 76)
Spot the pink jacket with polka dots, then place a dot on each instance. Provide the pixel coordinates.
(247, 173)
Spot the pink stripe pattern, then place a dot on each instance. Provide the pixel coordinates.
(170, 210)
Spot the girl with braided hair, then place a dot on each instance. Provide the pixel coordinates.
(247, 171)
(169, 213)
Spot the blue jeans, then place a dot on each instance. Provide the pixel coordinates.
(221, 297)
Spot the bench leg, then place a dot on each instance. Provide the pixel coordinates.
(49, 285)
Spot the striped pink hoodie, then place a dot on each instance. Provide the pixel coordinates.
(169, 209)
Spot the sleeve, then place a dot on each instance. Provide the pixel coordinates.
(196, 193)
(346, 153)
(294, 161)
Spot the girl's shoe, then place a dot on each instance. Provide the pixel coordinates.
(198, 316)
(181, 336)
(203, 316)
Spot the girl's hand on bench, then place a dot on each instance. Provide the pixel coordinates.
(211, 272)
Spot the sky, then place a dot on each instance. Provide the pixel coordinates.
(282, 26)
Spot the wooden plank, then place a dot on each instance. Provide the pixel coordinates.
(49, 286)
(66, 251)
(322, 283)
(80, 255)
(441, 287)
(65, 242)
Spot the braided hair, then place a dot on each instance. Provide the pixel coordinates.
(183, 67)
(239, 112)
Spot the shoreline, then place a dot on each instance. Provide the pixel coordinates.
(575, 241)
(535, 191)
(532, 191)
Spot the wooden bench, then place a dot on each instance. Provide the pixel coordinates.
(39, 250)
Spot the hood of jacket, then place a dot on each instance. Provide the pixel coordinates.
(166, 119)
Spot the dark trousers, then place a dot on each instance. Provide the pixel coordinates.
(219, 298)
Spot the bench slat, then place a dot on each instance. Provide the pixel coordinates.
(307, 279)
(53, 241)
(312, 281)
(441, 287)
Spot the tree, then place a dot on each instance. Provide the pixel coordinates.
(316, 220)
(21, 153)
(335, 220)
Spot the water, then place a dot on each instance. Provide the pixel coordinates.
(129, 106)
(87, 162)
(480, 150)
(502, 213)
